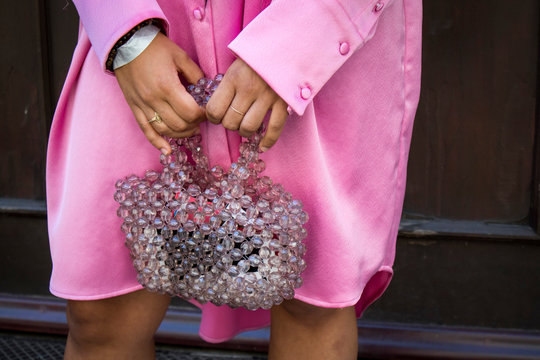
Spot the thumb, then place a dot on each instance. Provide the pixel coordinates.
(187, 67)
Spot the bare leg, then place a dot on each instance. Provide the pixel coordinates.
(302, 331)
(117, 328)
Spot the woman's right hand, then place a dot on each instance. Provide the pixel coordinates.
(151, 85)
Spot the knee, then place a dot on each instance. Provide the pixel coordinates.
(312, 315)
(101, 323)
(89, 322)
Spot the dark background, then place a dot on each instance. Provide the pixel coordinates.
(469, 246)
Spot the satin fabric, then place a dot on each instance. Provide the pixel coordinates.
(350, 71)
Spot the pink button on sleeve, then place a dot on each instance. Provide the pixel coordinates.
(198, 14)
(305, 93)
(308, 52)
(344, 48)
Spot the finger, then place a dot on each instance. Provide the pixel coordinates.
(172, 123)
(165, 131)
(185, 108)
(163, 127)
(162, 130)
(276, 123)
(155, 138)
(254, 117)
(181, 101)
(187, 67)
(219, 102)
(236, 112)
(187, 133)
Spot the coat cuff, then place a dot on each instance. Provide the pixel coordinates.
(129, 51)
(106, 22)
(297, 45)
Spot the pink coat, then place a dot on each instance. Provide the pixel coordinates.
(350, 70)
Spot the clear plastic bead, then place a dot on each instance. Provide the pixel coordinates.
(224, 236)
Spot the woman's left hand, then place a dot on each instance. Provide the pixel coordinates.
(241, 102)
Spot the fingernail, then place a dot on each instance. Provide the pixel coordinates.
(164, 151)
(263, 148)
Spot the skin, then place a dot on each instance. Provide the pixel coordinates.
(301, 331)
(150, 84)
(243, 89)
(123, 327)
(118, 328)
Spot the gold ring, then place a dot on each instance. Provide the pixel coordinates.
(237, 111)
(156, 118)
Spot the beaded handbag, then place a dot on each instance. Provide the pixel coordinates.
(226, 237)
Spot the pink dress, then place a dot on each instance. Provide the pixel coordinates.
(349, 69)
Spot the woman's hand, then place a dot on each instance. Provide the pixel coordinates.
(241, 102)
(151, 85)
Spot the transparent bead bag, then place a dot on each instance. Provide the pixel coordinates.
(229, 237)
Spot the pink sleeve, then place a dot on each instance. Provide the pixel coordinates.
(106, 21)
(297, 45)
